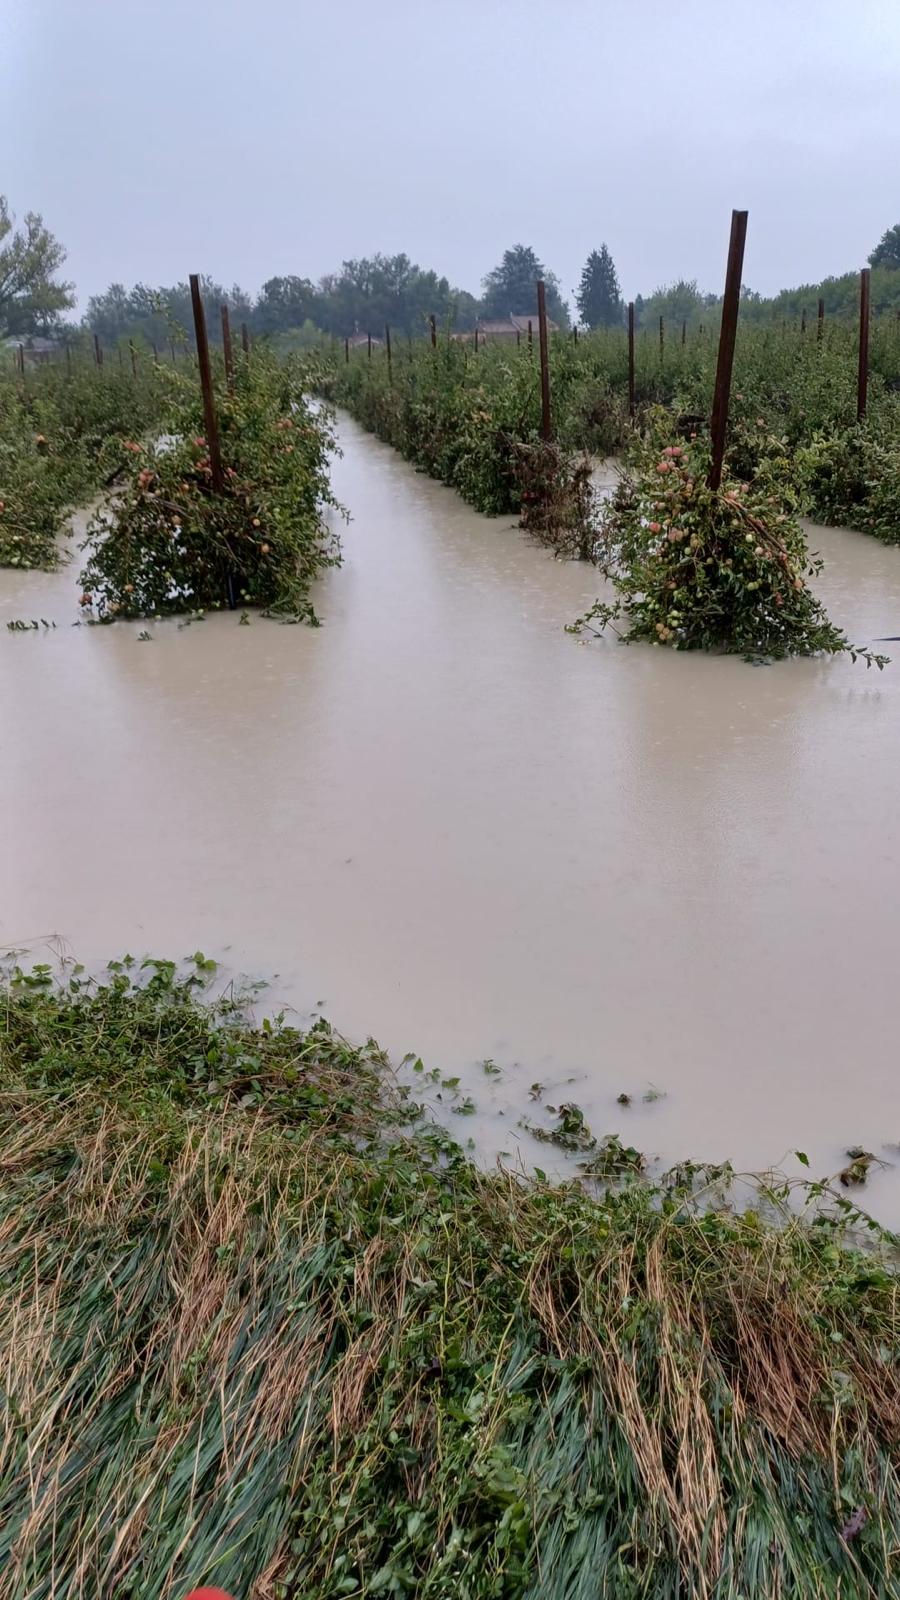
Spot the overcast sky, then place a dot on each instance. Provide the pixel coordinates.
(161, 137)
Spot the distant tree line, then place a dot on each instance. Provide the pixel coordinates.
(368, 293)
(363, 297)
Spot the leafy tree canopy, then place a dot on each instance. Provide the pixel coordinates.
(31, 295)
(509, 289)
(887, 250)
(675, 302)
(157, 315)
(363, 296)
(285, 303)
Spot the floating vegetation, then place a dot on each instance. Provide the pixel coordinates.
(856, 1171)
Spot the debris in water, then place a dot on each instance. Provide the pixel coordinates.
(857, 1169)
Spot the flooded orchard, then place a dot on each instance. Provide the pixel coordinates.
(449, 823)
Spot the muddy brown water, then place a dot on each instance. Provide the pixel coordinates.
(470, 835)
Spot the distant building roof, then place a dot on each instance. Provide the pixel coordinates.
(521, 323)
(508, 327)
(34, 347)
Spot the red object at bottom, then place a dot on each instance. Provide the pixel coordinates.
(207, 1594)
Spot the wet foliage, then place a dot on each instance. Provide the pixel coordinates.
(471, 419)
(852, 477)
(60, 438)
(695, 568)
(264, 1327)
(462, 415)
(170, 541)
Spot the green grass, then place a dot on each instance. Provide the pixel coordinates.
(262, 1326)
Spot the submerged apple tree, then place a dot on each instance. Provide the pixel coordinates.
(695, 568)
(172, 540)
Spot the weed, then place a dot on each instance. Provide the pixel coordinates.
(261, 1329)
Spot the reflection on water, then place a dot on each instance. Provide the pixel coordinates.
(471, 835)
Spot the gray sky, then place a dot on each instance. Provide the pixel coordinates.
(161, 137)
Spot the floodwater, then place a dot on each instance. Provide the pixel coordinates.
(469, 835)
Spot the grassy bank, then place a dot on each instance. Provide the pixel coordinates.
(262, 1327)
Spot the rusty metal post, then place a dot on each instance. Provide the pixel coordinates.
(20, 359)
(347, 352)
(530, 335)
(98, 350)
(206, 385)
(518, 338)
(662, 338)
(575, 334)
(227, 351)
(802, 319)
(862, 379)
(133, 353)
(369, 345)
(820, 329)
(245, 339)
(684, 332)
(631, 358)
(476, 338)
(433, 322)
(387, 342)
(546, 424)
(727, 335)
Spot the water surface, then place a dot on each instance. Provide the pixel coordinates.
(472, 836)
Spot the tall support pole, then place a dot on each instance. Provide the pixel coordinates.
(862, 376)
(631, 358)
(227, 351)
(546, 425)
(206, 387)
(727, 337)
